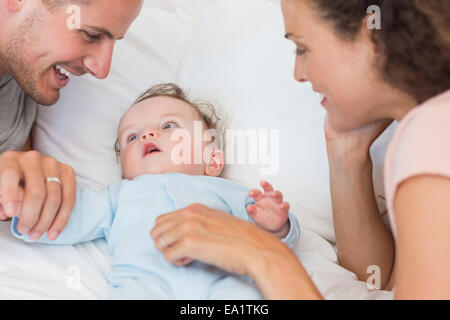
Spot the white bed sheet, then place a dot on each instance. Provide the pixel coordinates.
(80, 271)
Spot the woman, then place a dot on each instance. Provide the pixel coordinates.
(369, 77)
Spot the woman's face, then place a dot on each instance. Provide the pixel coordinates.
(344, 71)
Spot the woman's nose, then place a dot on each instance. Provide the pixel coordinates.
(300, 72)
(148, 134)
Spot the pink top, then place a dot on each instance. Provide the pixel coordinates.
(421, 146)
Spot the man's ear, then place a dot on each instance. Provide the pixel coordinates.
(216, 163)
(14, 5)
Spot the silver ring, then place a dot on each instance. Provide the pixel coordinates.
(161, 239)
(53, 179)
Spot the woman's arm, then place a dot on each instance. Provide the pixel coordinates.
(280, 276)
(422, 213)
(214, 237)
(362, 239)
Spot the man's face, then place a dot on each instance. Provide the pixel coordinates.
(42, 42)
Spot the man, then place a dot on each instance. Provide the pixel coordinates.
(40, 49)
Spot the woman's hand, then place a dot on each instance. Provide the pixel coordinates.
(46, 205)
(353, 143)
(235, 245)
(211, 236)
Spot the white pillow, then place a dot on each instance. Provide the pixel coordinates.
(240, 61)
(80, 130)
(168, 5)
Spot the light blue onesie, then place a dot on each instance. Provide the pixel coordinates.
(125, 214)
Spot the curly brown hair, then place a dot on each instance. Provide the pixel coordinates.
(413, 44)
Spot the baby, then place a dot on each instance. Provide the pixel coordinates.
(162, 174)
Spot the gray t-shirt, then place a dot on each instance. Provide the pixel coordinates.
(17, 115)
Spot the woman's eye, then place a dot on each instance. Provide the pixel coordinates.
(131, 138)
(299, 51)
(170, 125)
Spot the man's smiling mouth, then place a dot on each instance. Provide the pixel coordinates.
(61, 72)
(62, 75)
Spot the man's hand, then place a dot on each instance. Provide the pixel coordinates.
(24, 192)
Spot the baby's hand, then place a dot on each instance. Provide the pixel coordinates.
(269, 210)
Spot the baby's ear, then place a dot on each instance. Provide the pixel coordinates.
(216, 163)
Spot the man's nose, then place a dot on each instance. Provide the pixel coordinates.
(98, 62)
(148, 134)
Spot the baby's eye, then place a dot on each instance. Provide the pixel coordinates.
(131, 138)
(170, 125)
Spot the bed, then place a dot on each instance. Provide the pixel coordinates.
(233, 54)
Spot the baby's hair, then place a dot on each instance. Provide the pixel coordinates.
(205, 109)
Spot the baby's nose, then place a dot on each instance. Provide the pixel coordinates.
(148, 134)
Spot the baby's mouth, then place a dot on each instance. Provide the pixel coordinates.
(150, 148)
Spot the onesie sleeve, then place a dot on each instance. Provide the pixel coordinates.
(90, 219)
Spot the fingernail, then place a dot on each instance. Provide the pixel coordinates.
(52, 235)
(23, 230)
(35, 236)
(10, 209)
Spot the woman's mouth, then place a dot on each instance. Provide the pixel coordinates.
(149, 149)
(324, 99)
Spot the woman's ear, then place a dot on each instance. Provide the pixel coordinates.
(365, 37)
(216, 163)
(368, 28)
(14, 5)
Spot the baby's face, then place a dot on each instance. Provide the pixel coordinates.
(145, 137)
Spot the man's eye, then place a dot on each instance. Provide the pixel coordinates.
(89, 37)
(170, 125)
(131, 138)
